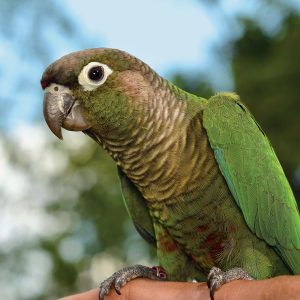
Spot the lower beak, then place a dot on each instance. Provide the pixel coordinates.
(62, 110)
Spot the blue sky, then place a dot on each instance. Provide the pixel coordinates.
(166, 34)
(169, 35)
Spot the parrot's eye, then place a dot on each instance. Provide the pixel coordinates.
(96, 73)
(93, 75)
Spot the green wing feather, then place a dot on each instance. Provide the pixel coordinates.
(137, 208)
(254, 175)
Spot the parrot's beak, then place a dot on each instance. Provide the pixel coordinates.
(62, 110)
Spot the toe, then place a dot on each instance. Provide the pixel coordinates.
(121, 281)
(102, 293)
(105, 287)
(212, 275)
(212, 290)
(118, 290)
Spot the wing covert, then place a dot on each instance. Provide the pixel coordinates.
(254, 175)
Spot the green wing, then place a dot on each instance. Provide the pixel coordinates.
(137, 208)
(254, 175)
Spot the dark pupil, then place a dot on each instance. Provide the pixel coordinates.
(96, 73)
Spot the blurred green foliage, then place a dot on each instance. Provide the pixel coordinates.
(100, 218)
(86, 199)
(266, 71)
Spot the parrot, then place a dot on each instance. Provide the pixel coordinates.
(199, 177)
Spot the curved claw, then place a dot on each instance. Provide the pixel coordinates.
(105, 287)
(216, 278)
(160, 272)
(120, 278)
(102, 293)
(208, 282)
(212, 291)
(117, 289)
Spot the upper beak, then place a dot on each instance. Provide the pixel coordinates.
(61, 110)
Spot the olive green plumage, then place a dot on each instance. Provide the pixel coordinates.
(199, 177)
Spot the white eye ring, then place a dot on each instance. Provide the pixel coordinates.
(89, 84)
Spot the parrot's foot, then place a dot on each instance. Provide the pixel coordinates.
(121, 277)
(217, 278)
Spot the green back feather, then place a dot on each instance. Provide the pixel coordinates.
(254, 175)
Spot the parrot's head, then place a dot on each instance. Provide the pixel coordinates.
(99, 91)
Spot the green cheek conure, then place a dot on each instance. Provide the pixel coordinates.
(199, 177)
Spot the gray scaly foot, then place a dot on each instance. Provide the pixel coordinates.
(217, 278)
(121, 277)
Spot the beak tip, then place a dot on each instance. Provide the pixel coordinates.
(58, 134)
(55, 128)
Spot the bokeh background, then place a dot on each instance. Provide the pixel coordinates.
(63, 225)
